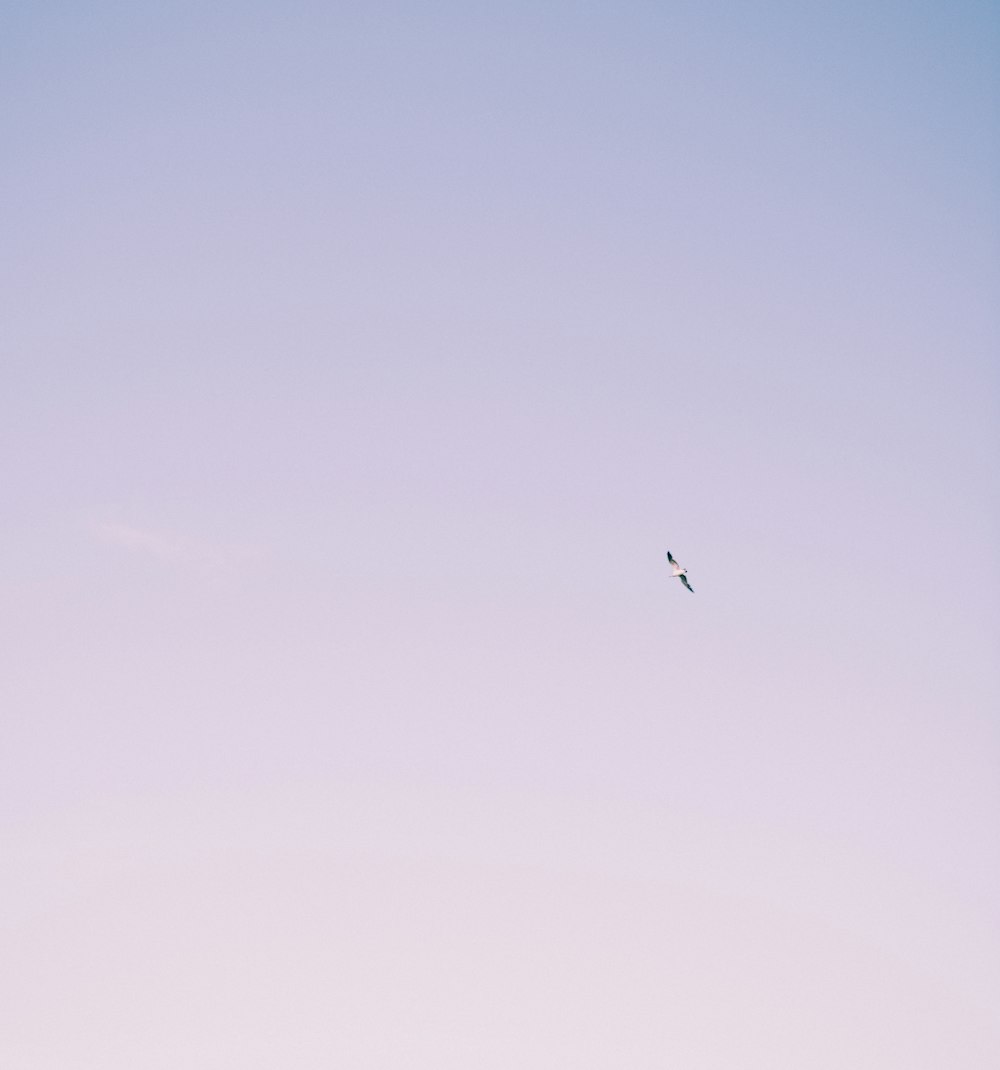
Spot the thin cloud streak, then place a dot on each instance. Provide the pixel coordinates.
(173, 548)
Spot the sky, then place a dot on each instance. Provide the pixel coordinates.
(360, 364)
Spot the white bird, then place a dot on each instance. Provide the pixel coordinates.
(681, 573)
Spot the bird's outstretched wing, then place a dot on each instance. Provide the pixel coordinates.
(684, 580)
(670, 558)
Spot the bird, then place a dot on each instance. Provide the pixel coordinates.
(681, 573)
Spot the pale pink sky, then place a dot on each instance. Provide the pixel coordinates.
(360, 365)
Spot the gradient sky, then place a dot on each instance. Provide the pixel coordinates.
(360, 364)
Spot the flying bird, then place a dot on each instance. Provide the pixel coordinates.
(681, 573)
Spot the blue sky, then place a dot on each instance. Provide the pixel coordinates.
(360, 366)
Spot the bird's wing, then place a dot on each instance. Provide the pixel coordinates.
(670, 558)
(684, 580)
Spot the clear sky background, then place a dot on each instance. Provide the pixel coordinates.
(360, 364)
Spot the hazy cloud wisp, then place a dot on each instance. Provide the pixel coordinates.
(173, 548)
